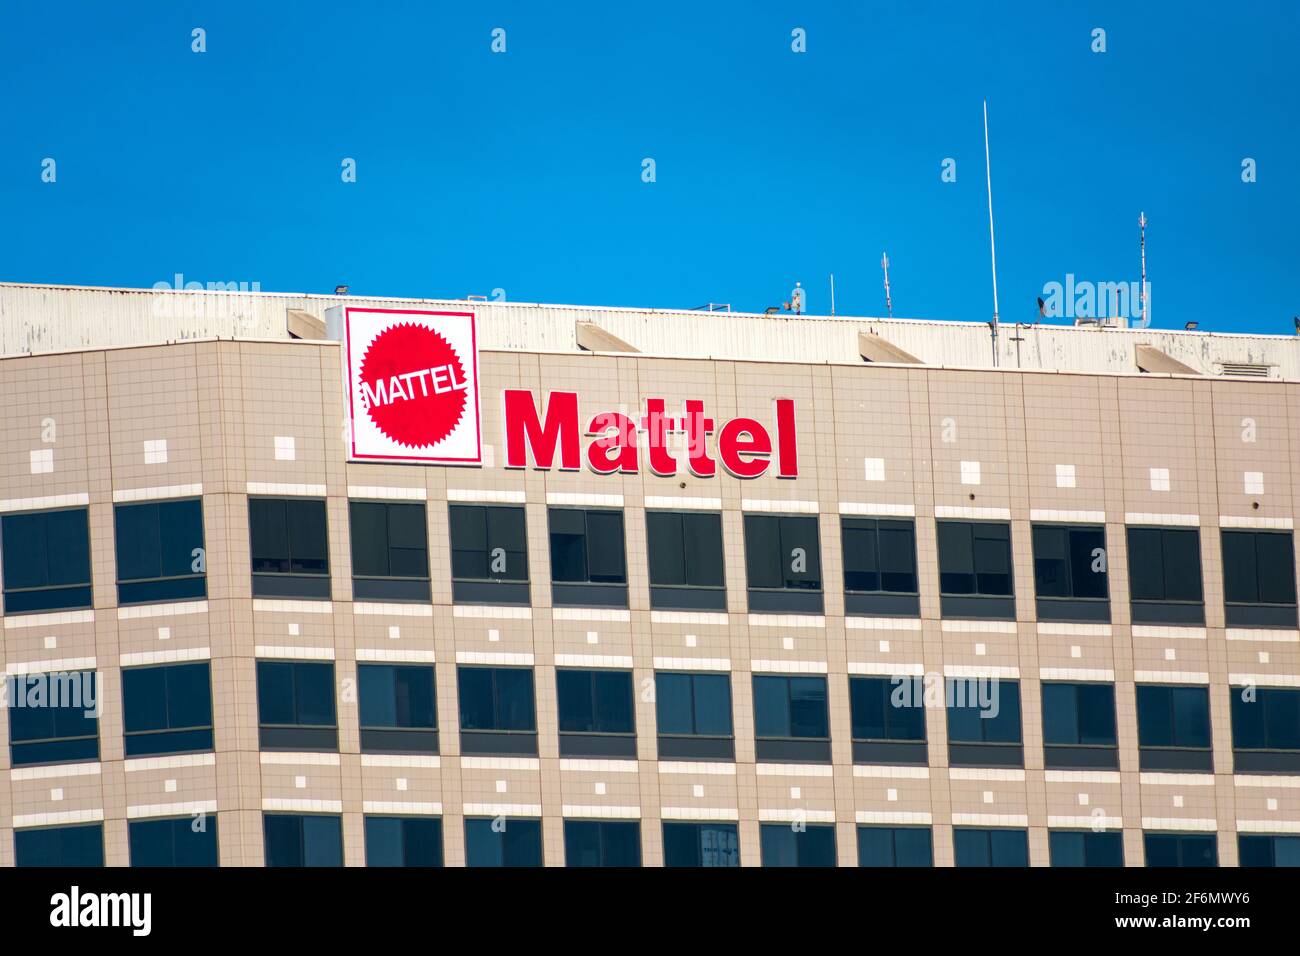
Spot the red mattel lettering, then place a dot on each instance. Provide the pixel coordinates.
(745, 446)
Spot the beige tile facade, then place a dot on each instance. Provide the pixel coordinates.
(926, 441)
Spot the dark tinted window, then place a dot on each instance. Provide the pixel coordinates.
(602, 843)
(503, 841)
(46, 557)
(782, 552)
(295, 705)
(990, 847)
(496, 698)
(894, 846)
(983, 710)
(403, 841)
(167, 709)
(53, 718)
(303, 839)
(974, 558)
(790, 707)
(1164, 564)
(1181, 849)
(390, 551)
(1265, 718)
(398, 704)
(879, 555)
(595, 702)
(60, 846)
(1079, 714)
(1070, 561)
(1084, 848)
(693, 704)
(290, 547)
(160, 551)
(587, 546)
(488, 543)
(701, 844)
(782, 845)
(1173, 716)
(174, 841)
(1258, 567)
(686, 560)
(879, 713)
(1259, 849)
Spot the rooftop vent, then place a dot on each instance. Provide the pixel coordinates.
(1246, 370)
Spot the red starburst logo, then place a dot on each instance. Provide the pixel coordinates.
(413, 385)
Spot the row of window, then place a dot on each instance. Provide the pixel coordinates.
(168, 710)
(317, 840)
(160, 558)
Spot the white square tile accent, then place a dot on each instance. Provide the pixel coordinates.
(501, 786)
(51, 642)
(1263, 657)
(56, 793)
(1083, 799)
(300, 782)
(970, 472)
(795, 793)
(874, 469)
(164, 633)
(1159, 479)
(1170, 655)
(42, 461)
(980, 650)
(1076, 650)
(169, 785)
(1272, 803)
(1065, 476)
(690, 640)
(891, 794)
(884, 647)
(787, 643)
(698, 790)
(988, 796)
(494, 635)
(155, 451)
(285, 448)
(293, 629)
(1254, 482)
(394, 632)
(600, 788)
(593, 637)
(401, 784)
(1178, 800)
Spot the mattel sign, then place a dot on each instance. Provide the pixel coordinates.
(412, 391)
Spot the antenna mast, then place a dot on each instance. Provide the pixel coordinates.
(993, 252)
(889, 303)
(1142, 244)
(832, 293)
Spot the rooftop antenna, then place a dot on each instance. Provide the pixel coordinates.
(889, 303)
(1142, 244)
(832, 293)
(993, 252)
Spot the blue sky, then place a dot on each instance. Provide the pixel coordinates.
(523, 170)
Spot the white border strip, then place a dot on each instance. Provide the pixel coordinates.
(494, 495)
(44, 502)
(160, 491)
(979, 514)
(1148, 517)
(667, 502)
(285, 489)
(779, 507)
(867, 508)
(387, 493)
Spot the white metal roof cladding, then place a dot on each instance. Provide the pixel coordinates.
(46, 318)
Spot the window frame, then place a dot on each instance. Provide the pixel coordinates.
(1268, 758)
(86, 753)
(984, 752)
(794, 748)
(168, 732)
(695, 745)
(303, 854)
(891, 749)
(1176, 757)
(592, 742)
(1077, 755)
(976, 604)
(198, 589)
(1258, 613)
(881, 601)
(1166, 610)
(861, 829)
(397, 738)
(298, 736)
(389, 587)
(498, 590)
(402, 820)
(686, 596)
(1071, 607)
(70, 589)
(585, 592)
(496, 740)
(602, 829)
(784, 599)
(295, 585)
(175, 823)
